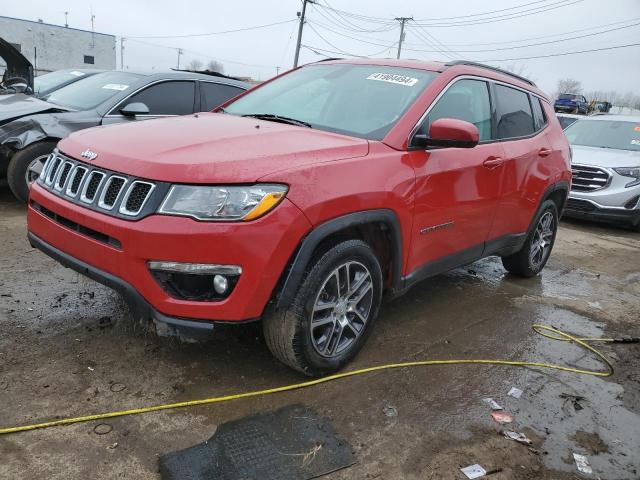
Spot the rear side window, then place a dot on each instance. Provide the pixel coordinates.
(215, 94)
(167, 98)
(515, 118)
(538, 114)
(465, 100)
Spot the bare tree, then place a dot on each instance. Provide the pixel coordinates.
(626, 100)
(194, 64)
(215, 66)
(519, 69)
(569, 85)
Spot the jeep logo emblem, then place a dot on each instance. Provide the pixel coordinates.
(89, 155)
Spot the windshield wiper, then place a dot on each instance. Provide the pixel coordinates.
(277, 118)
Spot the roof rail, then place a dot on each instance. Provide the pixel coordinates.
(489, 67)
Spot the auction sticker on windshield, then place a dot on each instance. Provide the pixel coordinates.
(393, 78)
(115, 86)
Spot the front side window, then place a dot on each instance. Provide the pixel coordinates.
(89, 59)
(466, 100)
(166, 98)
(92, 91)
(515, 118)
(364, 101)
(605, 134)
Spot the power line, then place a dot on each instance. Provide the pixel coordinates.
(550, 41)
(487, 13)
(502, 18)
(563, 53)
(256, 27)
(316, 50)
(343, 52)
(340, 22)
(447, 52)
(540, 37)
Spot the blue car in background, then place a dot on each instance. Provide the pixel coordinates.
(571, 103)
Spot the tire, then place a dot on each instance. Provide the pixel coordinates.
(526, 263)
(20, 163)
(320, 348)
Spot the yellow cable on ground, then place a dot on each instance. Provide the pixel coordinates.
(559, 335)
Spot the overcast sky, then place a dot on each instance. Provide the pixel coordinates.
(259, 52)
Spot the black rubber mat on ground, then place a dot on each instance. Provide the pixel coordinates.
(288, 444)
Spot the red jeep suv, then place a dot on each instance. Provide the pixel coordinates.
(306, 199)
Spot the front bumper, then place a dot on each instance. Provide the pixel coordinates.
(590, 210)
(116, 251)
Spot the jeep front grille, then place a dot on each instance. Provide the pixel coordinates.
(99, 189)
(589, 179)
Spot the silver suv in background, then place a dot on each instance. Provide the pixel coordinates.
(606, 169)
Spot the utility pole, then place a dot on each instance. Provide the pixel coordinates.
(402, 21)
(180, 52)
(66, 19)
(301, 15)
(122, 39)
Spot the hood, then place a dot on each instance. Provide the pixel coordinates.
(19, 105)
(604, 157)
(19, 69)
(209, 148)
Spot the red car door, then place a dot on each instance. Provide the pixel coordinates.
(526, 169)
(457, 189)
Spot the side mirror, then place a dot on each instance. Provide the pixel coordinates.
(133, 109)
(449, 132)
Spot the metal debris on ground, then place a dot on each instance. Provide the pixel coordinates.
(492, 403)
(516, 436)
(113, 446)
(515, 392)
(574, 400)
(502, 417)
(102, 429)
(117, 387)
(390, 411)
(474, 471)
(582, 462)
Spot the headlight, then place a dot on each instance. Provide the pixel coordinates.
(222, 203)
(633, 172)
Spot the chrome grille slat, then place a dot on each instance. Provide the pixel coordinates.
(75, 181)
(62, 176)
(91, 187)
(95, 188)
(55, 164)
(586, 178)
(111, 191)
(136, 197)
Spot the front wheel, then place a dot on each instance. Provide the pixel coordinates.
(25, 167)
(332, 313)
(533, 256)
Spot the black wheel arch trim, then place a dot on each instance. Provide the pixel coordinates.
(308, 245)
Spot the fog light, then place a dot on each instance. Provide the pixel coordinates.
(200, 282)
(220, 284)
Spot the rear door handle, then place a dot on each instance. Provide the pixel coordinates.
(544, 152)
(493, 162)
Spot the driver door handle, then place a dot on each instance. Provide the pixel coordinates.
(493, 162)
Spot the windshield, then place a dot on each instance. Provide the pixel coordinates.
(567, 96)
(92, 91)
(605, 134)
(360, 100)
(50, 81)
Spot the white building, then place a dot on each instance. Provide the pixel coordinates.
(52, 47)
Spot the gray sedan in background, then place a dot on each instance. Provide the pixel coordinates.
(30, 127)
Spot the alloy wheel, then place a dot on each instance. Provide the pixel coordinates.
(542, 239)
(35, 168)
(342, 309)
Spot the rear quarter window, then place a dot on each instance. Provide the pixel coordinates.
(539, 118)
(515, 118)
(215, 94)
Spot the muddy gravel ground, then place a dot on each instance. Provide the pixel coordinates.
(68, 348)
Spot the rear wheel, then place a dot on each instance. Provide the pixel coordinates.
(25, 167)
(332, 313)
(533, 256)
